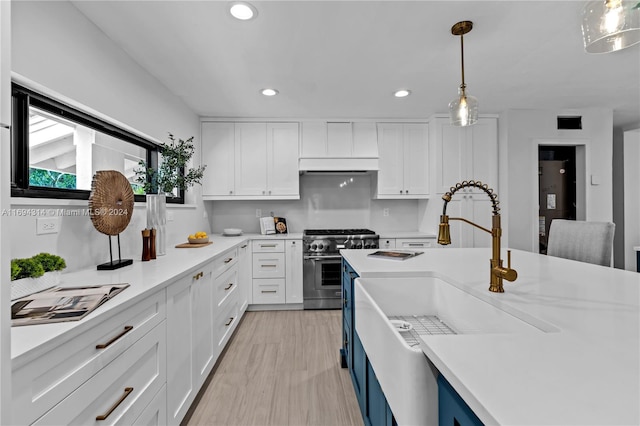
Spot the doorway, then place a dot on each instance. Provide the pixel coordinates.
(557, 188)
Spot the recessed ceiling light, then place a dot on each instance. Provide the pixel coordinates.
(402, 93)
(243, 11)
(269, 92)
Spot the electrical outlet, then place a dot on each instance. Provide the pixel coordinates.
(385, 212)
(258, 213)
(47, 225)
(170, 216)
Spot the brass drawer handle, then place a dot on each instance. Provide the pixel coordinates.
(127, 329)
(228, 287)
(198, 276)
(244, 246)
(268, 291)
(268, 245)
(228, 260)
(268, 265)
(229, 322)
(126, 393)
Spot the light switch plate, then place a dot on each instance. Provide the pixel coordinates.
(47, 225)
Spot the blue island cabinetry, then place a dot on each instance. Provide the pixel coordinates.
(373, 404)
(452, 410)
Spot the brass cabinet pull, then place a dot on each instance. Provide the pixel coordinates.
(198, 275)
(229, 322)
(267, 245)
(127, 329)
(228, 287)
(268, 291)
(268, 265)
(126, 393)
(244, 246)
(228, 260)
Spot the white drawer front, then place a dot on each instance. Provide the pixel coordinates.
(269, 291)
(226, 322)
(156, 412)
(268, 265)
(387, 243)
(225, 261)
(225, 285)
(268, 246)
(411, 243)
(42, 383)
(121, 390)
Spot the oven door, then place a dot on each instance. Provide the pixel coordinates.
(322, 282)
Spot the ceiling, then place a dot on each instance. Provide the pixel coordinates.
(344, 59)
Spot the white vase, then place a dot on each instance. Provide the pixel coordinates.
(157, 218)
(26, 286)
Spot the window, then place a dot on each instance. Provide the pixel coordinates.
(56, 149)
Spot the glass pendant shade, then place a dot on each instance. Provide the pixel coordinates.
(610, 25)
(463, 110)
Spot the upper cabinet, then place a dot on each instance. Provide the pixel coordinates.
(338, 146)
(5, 63)
(404, 161)
(250, 160)
(465, 153)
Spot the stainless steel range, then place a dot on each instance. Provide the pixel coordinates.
(321, 266)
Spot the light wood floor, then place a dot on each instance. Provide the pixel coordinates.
(281, 368)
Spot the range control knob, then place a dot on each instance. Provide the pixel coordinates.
(320, 246)
(313, 246)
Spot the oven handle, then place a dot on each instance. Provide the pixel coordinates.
(336, 257)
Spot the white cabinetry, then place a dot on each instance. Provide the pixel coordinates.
(465, 153)
(339, 146)
(476, 208)
(82, 378)
(245, 275)
(250, 160)
(407, 243)
(404, 161)
(268, 272)
(293, 261)
(196, 305)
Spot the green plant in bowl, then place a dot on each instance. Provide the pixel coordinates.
(29, 268)
(50, 262)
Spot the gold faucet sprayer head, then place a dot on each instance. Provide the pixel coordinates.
(444, 235)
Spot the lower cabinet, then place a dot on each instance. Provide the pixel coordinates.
(277, 272)
(452, 410)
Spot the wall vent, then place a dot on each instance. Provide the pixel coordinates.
(569, 122)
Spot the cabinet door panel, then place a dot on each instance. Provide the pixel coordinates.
(390, 175)
(293, 265)
(250, 164)
(450, 164)
(282, 159)
(218, 154)
(314, 139)
(483, 152)
(416, 159)
(203, 344)
(339, 140)
(479, 211)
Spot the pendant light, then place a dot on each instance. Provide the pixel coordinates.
(610, 25)
(463, 110)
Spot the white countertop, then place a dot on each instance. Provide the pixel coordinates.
(144, 278)
(588, 372)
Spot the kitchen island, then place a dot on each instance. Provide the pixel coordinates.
(577, 363)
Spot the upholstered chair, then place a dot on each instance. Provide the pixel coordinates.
(590, 242)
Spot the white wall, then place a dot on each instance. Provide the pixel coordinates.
(631, 197)
(323, 204)
(519, 134)
(58, 49)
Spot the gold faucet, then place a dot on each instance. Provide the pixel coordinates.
(497, 271)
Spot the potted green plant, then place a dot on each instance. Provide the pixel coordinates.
(36, 273)
(161, 182)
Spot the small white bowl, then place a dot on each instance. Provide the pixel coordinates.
(232, 231)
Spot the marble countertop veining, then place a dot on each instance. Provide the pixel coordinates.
(588, 372)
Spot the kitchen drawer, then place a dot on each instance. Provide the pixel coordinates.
(226, 322)
(268, 265)
(225, 285)
(121, 390)
(387, 243)
(414, 243)
(39, 385)
(155, 414)
(225, 261)
(269, 291)
(268, 246)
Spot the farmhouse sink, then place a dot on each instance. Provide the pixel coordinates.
(407, 378)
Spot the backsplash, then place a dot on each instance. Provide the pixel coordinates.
(326, 201)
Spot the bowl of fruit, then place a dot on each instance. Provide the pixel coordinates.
(199, 237)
